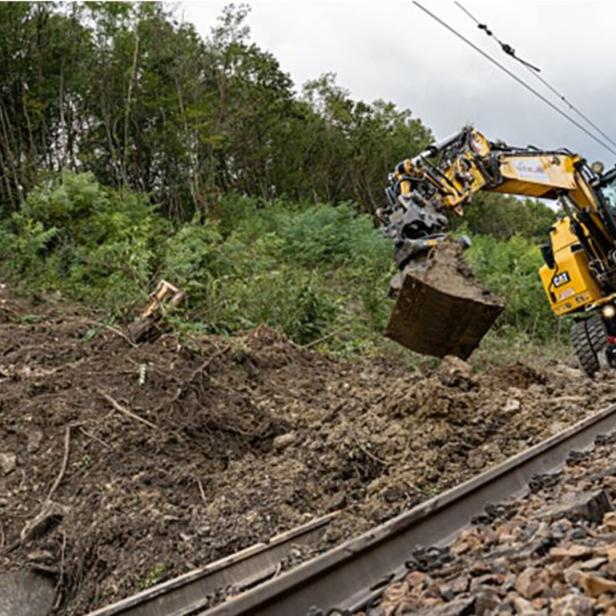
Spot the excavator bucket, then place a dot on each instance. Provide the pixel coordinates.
(440, 309)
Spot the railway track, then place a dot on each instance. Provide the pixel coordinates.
(192, 592)
(352, 576)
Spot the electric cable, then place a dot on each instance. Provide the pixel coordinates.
(534, 70)
(508, 49)
(516, 78)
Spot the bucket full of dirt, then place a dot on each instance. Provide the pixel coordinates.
(440, 308)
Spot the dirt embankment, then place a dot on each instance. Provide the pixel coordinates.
(171, 455)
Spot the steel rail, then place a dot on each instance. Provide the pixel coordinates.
(353, 575)
(191, 592)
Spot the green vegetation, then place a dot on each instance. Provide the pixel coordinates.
(131, 149)
(308, 269)
(153, 577)
(509, 268)
(126, 91)
(316, 271)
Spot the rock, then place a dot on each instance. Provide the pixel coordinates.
(596, 585)
(609, 520)
(573, 551)
(488, 579)
(572, 605)
(446, 592)
(460, 584)
(394, 593)
(26, 593)
(34, 436)
(568, 371)
(512, 405)
(284, 440)
(459, 607)
(8, 461)
(468, 540)
(335, 502)
(40, 556)
(588, 506)
(417, 579)
(530, 583)
(486, 600)
(524, 607)
(455, 372)
(593, 563)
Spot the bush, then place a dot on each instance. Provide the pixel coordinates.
(510, 269)
(282, 265)
(313, 271)
(94, 244)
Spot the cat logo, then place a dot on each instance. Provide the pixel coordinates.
(560, 279)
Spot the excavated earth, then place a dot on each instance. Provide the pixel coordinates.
(122, 466)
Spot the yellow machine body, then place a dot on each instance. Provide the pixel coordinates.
(569, 286)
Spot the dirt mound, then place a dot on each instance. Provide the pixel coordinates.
(122, 466)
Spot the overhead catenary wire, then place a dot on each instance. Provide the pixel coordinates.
(516, 78)
(508, 49)
(534, 70)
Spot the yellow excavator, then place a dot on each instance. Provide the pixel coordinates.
(579, 273)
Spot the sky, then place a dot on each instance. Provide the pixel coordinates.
(390, 49)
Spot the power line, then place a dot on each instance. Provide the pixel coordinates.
(535, 72)
(515, 77)
(508, 49)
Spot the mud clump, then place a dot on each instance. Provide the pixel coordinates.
(449, 272)
(442, 310)
(161, 458)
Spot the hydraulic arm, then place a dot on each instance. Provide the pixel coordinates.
(579, 273)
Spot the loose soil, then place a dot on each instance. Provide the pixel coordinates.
(448, 271)
(173, 454)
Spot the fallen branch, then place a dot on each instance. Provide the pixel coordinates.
(96, 438)
(207, 362)
(366, 450)
(201, 490)
(122, 409)
(60, 582)
(111, 328)
(309, 345)
(120, 333)
(50, 512)
(56, 483)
